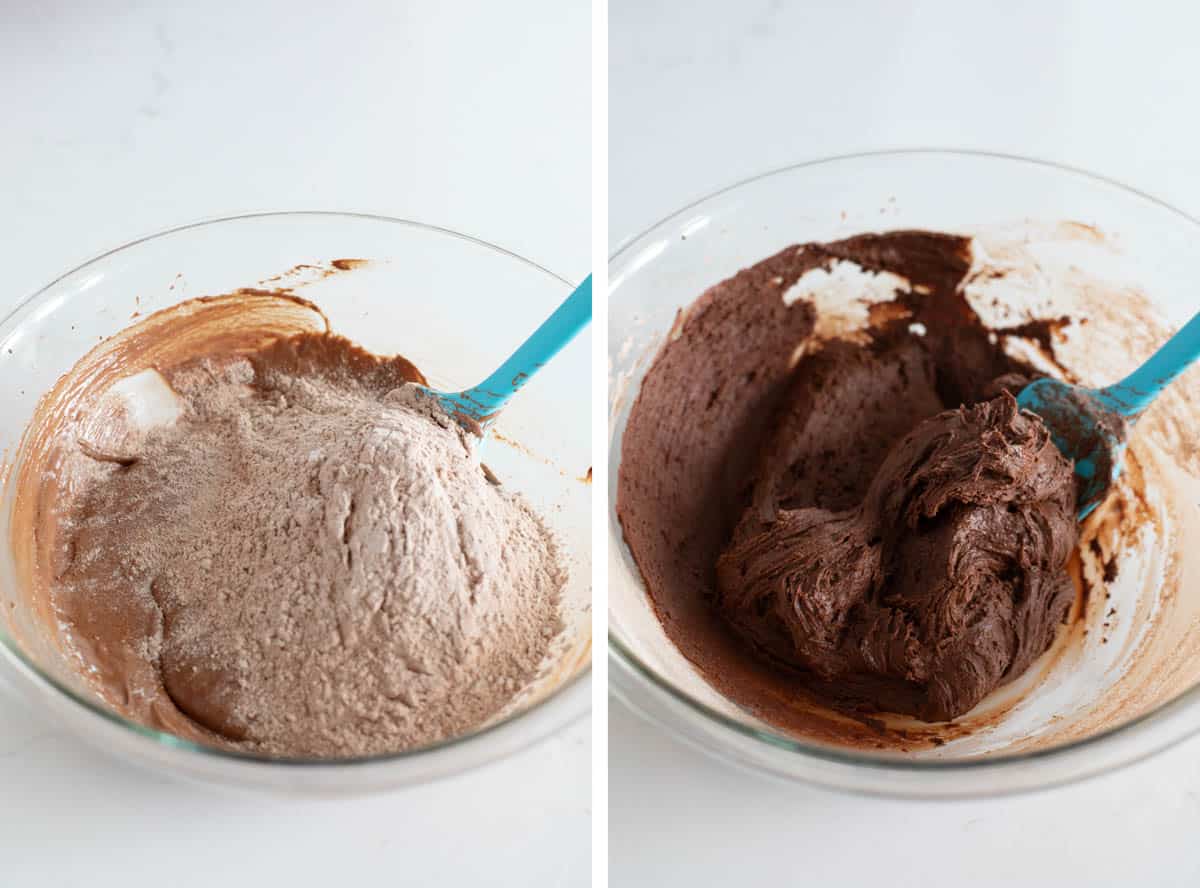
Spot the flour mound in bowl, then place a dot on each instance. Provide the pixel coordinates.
(303, 559)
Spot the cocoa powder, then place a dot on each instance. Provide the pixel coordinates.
(304, 559)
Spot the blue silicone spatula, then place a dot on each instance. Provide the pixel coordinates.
(1090, 425)
(477, 408)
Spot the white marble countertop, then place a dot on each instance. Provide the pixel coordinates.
(122, 118)
(728, 90)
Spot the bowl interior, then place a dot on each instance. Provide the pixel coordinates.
(1140, 250)
(454, 306)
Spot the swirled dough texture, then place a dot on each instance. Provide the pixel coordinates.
(836, 516)
(945, 579)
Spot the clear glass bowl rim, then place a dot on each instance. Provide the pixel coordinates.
(883, 762)
(170, 740)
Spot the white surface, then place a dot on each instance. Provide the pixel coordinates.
(122, 118)
(677, 817)
(729, 90)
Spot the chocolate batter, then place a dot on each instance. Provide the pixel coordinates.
(867, 519)
(247, 531)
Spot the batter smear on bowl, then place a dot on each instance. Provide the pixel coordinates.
(853, 509)
(254, 533)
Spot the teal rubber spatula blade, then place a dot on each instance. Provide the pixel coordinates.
(1090, 426)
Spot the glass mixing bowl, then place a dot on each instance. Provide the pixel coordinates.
(667, 267)
(456, 307)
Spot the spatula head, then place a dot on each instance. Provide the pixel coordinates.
(1086, 429)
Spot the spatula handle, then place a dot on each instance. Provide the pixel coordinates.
(1134, 393)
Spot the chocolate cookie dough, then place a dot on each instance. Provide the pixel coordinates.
(864, 514)
(946, 578)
